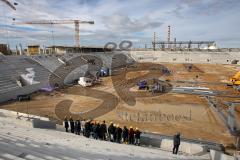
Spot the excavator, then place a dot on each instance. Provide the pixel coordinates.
(235, 81)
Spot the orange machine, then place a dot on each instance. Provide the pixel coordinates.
(236, 79)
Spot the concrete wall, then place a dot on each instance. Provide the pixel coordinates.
(185, 147)
(211, 57)
(167, 144)
(38, 123)
(30, 121)
(189, 146)
(216, 155)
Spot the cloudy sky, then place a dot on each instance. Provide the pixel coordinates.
(117, 20)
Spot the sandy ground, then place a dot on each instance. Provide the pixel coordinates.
(118, 100)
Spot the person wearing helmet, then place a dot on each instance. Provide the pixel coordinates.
(131, 135)
(83, 126)
(125, 135)
(118, 134)
(176, 143)
(111, 131)
(137, 137)
(87, 129)
(95, 130)
(77, 127)
(66, 124)
(92, 123)
(103, 131)
(115, 133)
(71, 124)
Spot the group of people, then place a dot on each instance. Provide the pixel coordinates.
(113, 132)
(97, 130)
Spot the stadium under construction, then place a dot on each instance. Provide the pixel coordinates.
(171, 86)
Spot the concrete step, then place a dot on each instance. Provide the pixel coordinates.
(8, 154)
(48, 152)
(23, 153)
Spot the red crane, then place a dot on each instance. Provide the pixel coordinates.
(51, 22)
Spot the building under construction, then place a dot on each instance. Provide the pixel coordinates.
(191, 87)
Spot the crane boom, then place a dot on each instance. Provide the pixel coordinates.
(9, 4)
(55, 22)
(75, 22)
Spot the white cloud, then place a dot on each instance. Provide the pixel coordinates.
(122, 23)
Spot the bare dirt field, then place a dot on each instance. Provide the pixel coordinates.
(118, 100)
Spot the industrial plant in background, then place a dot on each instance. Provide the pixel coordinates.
(174, 45)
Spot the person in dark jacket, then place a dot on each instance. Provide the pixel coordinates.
(115, 133)
(176, 143)
(77, 127)
(118, 133)
(98, 130)
(83, 126)
(137, 137)
(111, 131)
(103, 131)
(94, 128)
(91, 127)
(125, 135)
(131, 135)
(66, 125)
(87, 129)
(71, 124)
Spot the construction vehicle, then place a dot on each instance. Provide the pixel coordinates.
(159, 86)
(21, 98)
(142, 85)
(235, 81)
(85, 82)
(89, 81)
(104, 72)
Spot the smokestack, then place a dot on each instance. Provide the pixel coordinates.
(175, 43)
(154, 41)
(169, 36)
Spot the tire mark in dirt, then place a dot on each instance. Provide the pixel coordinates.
(122, 85)
(109, 103)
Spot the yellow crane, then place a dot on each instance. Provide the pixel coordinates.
(52, 22)
(9, 4)
(235, 80)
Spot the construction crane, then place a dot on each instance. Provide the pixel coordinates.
(52, 22)
(235, 81)
(9, 4)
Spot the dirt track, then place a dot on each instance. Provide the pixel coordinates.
(118, 100)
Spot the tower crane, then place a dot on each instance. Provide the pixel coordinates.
(75, 22)
(9, 4)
